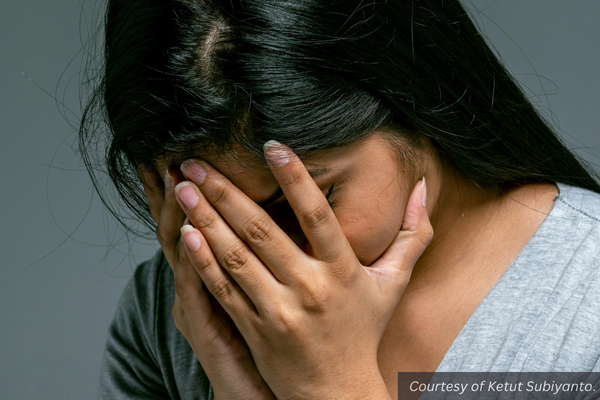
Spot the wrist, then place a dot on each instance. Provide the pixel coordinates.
(366, 385)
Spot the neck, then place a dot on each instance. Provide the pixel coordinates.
(478, 230)
(462, 215)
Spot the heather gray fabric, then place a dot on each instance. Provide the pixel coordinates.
(542, 315)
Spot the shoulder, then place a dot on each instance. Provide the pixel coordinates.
(135, 318)
(131, 364)
(142, 297)
(544, 312)
(149, 278)
(569, 237)
(552, 288)
(569, 234)
(579, 203)
(146, 356)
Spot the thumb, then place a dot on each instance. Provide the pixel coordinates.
(394, 267)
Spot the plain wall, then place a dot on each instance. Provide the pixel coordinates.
(65, 263)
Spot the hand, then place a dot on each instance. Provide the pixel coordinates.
(313, 323)
(217, 343)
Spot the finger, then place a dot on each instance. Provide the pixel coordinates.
(193, 311)
(318, 222)
(191, 305)
(224, 288)
(415, 235)
(250, 222)
(171, 218)
(229, 250)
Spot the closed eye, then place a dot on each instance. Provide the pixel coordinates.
(328, 195)
(280, 199)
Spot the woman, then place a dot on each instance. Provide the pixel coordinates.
(295, 159)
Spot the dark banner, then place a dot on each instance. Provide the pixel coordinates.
(498, 385)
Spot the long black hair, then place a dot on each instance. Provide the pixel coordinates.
(182, 77)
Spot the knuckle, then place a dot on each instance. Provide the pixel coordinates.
(315, 301)
(315, 293)
(290, 179)
(223, 289)
(235, 258)
(287, 321)
(203, 264)
(429, 234)
(343, 274)
(220, 193)
(317, 217)
(256, 230)
(205, 221)
(426, 235)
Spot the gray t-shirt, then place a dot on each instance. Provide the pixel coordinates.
(543, 314)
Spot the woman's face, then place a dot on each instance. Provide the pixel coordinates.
(366, 187)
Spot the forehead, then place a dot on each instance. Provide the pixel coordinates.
(248, 173)
(253, 177)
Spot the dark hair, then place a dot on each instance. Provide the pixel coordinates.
(182, 77)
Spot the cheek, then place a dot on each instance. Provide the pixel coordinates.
(370, 231)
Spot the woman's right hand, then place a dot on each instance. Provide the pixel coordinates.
(218, 345)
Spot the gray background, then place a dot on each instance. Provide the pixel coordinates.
(65, 262)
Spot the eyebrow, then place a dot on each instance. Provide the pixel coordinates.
(279, 192)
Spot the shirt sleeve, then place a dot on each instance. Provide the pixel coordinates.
(130, 367)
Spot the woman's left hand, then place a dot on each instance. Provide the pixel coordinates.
(313, 323)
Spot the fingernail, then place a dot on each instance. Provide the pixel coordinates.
(190, 238)
(168, 180)
(276, 153)
(194, 171)
(424, 192)
(187, 194)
